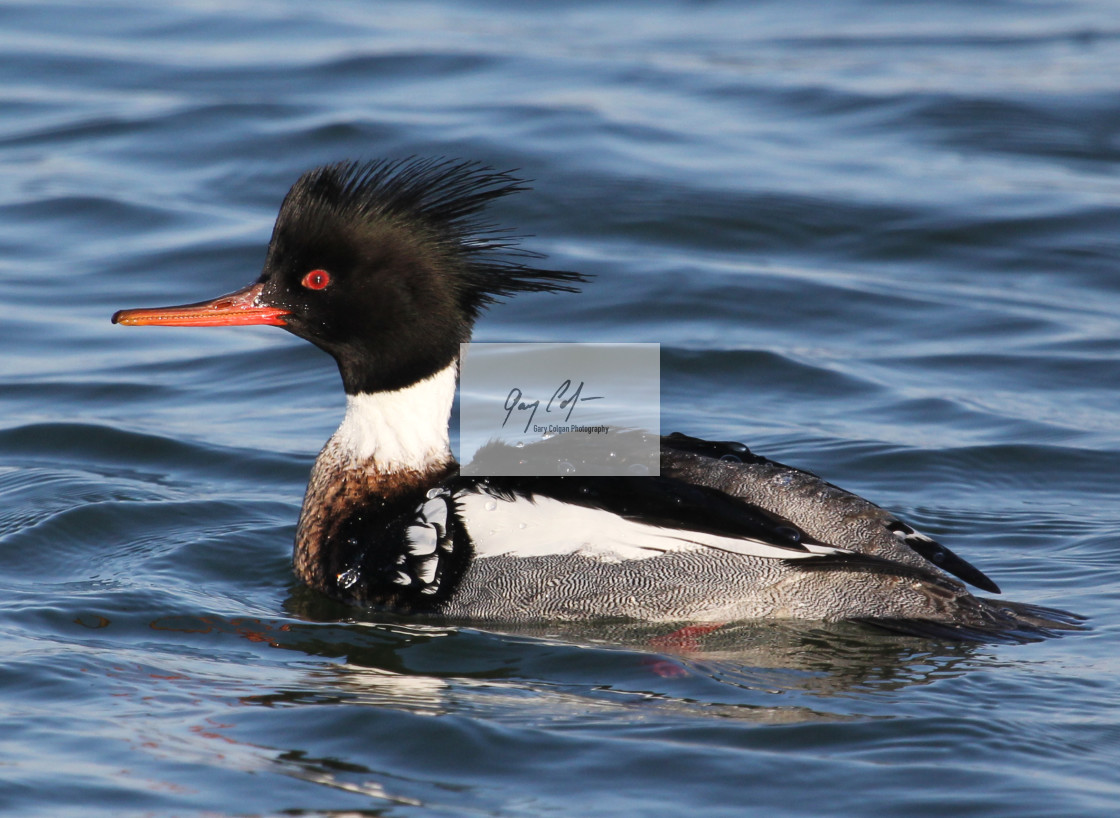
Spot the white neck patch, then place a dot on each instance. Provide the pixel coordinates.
(405, 429)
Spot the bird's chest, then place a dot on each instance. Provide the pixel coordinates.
(380, 541)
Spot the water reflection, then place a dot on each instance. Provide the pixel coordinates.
(361, 695)
(440, 666)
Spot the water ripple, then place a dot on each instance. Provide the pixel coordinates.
(875, 241)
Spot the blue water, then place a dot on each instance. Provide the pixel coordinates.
(877, 240)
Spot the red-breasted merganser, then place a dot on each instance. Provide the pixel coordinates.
(386, 266)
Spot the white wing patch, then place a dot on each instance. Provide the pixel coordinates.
(543, 526)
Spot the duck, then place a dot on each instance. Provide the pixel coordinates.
(386, 265)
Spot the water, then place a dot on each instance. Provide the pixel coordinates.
(877, 240)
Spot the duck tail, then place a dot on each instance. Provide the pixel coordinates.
(990, 620)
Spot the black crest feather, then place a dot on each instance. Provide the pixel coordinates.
(443, 198)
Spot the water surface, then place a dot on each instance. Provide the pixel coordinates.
(875, 240)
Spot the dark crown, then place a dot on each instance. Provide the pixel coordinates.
(444, 199)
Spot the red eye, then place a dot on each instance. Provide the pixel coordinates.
(316, 280)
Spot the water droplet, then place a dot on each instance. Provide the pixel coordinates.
(491, 505)
(566, 468)
(347, 578)
(637, 469)
(789, 533)
(434, 493)
(548, 435)
(520, 444)
(731, 458)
